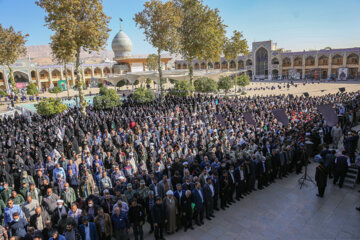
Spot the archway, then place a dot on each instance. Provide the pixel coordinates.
(324, 74)
(178, 66)
(107, 70)
(275, 74)
(337, 60)
(286, 62)
(87, 72)
(184, 66)
(261, 58)
(217, 65)
(275, 61)
(20, 77)
(352, 59)
(249, 62)
(240, 64)
(310, 61)
(196, 66)
(210, 65)
(323, 61)
(298, 62)
(232, 64)
(224, 65)
(203, 65)
(56, 74)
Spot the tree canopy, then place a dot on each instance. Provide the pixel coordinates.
(182, 88)
(12, 46)
(50, 106)
(121, 83)
(243, 80)
(142, 94)
(56, 90)
(152, 62)
(202, 32)
(205, 85)
(84, 26)
(31, 89)
(160, 21)
(107, 99)
(235, 46)
(225, 83)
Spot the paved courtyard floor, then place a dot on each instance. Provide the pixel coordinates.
(283, 211)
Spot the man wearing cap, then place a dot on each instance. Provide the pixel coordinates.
(143, 191)
(129, 192)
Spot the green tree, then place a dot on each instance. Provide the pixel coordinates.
(56, 90)
(107, 99)
(136, 82)
(50, 106)
(85, 25)
(202, 32)
(142, 94)
(225, 83)
(182, 88)
(3, 93)
(100, 85)
(31, 89)
(205, 85)
(63, 52)
(152, 62)
(160, 21)
(12, 46)
(120, 83)
(243, 80)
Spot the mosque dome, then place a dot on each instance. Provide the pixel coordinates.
(121, 45)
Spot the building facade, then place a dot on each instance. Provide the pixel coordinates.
(266, 61)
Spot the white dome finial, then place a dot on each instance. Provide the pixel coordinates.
(120, 23)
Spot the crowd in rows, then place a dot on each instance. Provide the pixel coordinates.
(169, 163)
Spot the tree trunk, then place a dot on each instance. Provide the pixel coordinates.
(13, 83)
(67, 82)
(160, 74)
(191, 72)
(80, 82)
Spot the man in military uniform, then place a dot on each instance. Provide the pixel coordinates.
(143, 192)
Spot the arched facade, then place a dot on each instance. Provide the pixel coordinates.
(241, 64)
(248, 62)
(310, 61)
(298, 62)
(261, 58)
(323, 60)
(275, 61)
(337, 60)
(286, 62)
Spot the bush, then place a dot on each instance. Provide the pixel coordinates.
(225, 83)
(142, 94)
(243, 93)
(107, 99)
(121, 83)
(56, 90)
(243, 80)
(100, 85)
(205, 85)
(148, 81)
(50, 106)
(31, 89)
(182, 88)
(136, 82)
(3, 93)
(172, 81)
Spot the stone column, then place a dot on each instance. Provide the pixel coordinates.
(92, 71)
(102, 72)
(72, 75)
(344, 60)
(303, 66)
(50, 76)
(329, 65)
(38, 79)
(292, 61)
(316, 60)
(62, 73)
(144, 67)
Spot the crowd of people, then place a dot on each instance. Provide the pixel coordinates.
(170, 164)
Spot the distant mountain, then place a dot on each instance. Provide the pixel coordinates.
(41, 54)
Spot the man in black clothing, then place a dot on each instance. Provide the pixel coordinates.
(321, 178)
(158, 213)
(341, 166)
(186, 210)
(137, 219)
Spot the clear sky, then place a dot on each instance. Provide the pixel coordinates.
(294, 24)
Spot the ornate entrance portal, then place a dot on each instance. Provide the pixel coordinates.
(261, 59)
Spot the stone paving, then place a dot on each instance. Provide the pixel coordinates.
(283, 211)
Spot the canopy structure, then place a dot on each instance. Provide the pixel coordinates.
(172, 74)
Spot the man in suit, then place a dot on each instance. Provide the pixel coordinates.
(209, 194)
(321, 178)
(239, 175)
(88, 230)
(216, 184)
(198, 200)
(341, 166)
